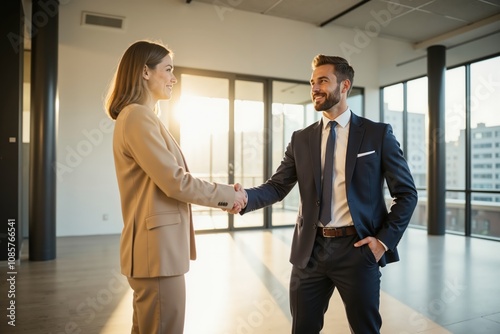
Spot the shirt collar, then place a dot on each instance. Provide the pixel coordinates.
(342, 120)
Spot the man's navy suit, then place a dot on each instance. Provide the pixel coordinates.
(373, 157)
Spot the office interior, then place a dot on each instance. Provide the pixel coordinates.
(430, 68)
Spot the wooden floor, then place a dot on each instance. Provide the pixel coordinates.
(239, 285)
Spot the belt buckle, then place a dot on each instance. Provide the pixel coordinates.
(328, 229)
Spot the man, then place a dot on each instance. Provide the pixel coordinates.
(342, 236)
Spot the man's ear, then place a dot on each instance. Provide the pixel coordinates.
(145, 72)
(346, 85)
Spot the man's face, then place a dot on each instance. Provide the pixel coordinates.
(325, 92)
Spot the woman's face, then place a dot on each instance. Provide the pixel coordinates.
(160, 79)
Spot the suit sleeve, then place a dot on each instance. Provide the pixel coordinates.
(150, 150)
(277, 187)
(401, 187)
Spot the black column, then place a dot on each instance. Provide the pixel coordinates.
(11, 108)
(42, 231)
(436, 174)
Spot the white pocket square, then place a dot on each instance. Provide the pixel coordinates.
(365, 153)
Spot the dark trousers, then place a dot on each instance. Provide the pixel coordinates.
(336, 263)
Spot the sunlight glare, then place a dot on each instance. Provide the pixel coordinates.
(202, 115)
(120, 320)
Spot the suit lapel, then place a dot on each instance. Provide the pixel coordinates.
(356, 133)
(315, 149)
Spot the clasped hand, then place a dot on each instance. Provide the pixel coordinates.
(240, 201)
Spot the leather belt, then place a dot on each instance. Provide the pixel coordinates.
(336, 232)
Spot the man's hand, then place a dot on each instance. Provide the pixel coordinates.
(375, 246)
(241, 199)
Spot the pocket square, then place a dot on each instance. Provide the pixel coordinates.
(365, 153)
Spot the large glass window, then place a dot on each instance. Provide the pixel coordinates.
(417, 129)
(455, 212)
(485, 147)
(455, 128)
(403, 109)
(204, 120)
(291, 110)
(249, 143)
(455, 149)
(472, 152)
(417, 111)
(222, 138)
(393, 107)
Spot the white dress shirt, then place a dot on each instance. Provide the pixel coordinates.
(340, 209)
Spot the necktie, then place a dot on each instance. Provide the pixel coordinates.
(326, 196)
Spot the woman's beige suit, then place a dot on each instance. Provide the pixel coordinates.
(156, 190)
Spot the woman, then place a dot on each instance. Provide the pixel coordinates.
(156, 190)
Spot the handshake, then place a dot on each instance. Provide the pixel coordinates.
(240, 201)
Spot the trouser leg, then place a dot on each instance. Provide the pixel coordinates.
(310, 293)
(356, 276)
(336, 263)
(159, 305)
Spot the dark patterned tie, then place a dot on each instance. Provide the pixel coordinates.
(326, 197)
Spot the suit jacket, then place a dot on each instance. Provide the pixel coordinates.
(373, 155)
(156, 190)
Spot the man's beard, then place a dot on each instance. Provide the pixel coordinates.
(330, 101)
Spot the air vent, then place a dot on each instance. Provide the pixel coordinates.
(102, 20)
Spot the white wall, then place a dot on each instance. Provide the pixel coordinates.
(201, 36)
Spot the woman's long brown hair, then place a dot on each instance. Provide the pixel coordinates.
(128, 86)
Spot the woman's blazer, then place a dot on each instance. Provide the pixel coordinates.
(156, 191)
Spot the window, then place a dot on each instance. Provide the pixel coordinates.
(483, 145)
(291, 110)
(393, 106)
(485, 125)
(395, 110)
(471, 152)
(417, 138)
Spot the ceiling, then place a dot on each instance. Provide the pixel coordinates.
(420, 22)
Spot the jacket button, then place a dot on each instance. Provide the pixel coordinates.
(318, 203)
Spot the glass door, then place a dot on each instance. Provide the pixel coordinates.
(221, 131)
(249, 145)
(291, 110)
(203, 115)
